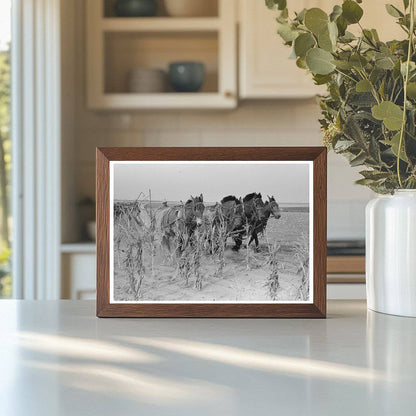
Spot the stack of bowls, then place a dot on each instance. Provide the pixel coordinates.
(147, 80)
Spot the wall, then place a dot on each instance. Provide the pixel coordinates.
(265, 123)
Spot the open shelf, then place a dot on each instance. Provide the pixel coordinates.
(80, 247)
(130, 101)
(127, 51)
(160, 24)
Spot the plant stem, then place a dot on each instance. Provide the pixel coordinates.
(406, 80)
(345, 75)
(373, 90)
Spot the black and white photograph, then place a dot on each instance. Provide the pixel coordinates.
(210, 232)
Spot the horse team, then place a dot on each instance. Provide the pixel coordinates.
(239, 217)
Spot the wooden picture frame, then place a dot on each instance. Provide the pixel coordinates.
(315, 307)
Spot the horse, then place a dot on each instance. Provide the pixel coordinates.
(259, 221)
(181, 221)
(233, 216)
(254, 209)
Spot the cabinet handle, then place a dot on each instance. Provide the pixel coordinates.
(228, 94)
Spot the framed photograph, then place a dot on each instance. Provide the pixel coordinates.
(211, 232)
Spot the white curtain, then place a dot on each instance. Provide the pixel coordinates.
(36, 148)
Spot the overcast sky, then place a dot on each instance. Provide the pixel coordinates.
(175, 182)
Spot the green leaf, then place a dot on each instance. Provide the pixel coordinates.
(321, 79)
(347, 37)
(406, 4)
(394, 145)
(391, 114)
(363, 86)
(286, 32)
(327, 40)
(368, 36)
(393, 11)
(411, 90)
(361, 99)
(364, 181)
(358, 160)
(276, 4)
(319, 61)
(374, 150)
(300, 17)
(375, 175)
(324, 42)
(358, 61)
(336, 12)
(333, 32)
(354, 131)
(351, 11)
(375, 35)
(284, 14)
(342, 25)
(341, 64)
(343, 145)
(301, 63)
(412, 67)
(316, 20)
(303, 43)
(385, 63)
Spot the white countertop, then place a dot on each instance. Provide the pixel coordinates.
(57, 359)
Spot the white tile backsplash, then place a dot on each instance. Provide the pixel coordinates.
(346, 219)
(288, 123)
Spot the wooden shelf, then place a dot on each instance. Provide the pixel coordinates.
(346, 264)
(159, 24)
(81, 247)
(129, 101)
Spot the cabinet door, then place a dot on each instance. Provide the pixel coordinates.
(376, 17)
(265, 68)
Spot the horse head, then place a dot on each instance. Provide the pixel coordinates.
(254, 205)
(274, 207)
(194, 209)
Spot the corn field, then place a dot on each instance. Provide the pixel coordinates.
(201, 265)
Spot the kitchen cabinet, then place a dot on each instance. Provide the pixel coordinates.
(265, 70)
(78, 264)
(118, 45)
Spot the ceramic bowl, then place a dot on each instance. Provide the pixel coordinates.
(186, 76)
(135, 8)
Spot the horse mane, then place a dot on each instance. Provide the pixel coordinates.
(251, 196)
(230, 198)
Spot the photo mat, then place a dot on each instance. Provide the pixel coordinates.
(211, 232)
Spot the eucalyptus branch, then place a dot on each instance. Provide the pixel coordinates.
(363, 109)
(373, 89)
(346, 75)
(406, 80)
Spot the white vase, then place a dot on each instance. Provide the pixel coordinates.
(391, 253)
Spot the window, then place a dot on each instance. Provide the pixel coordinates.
(5, 147)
